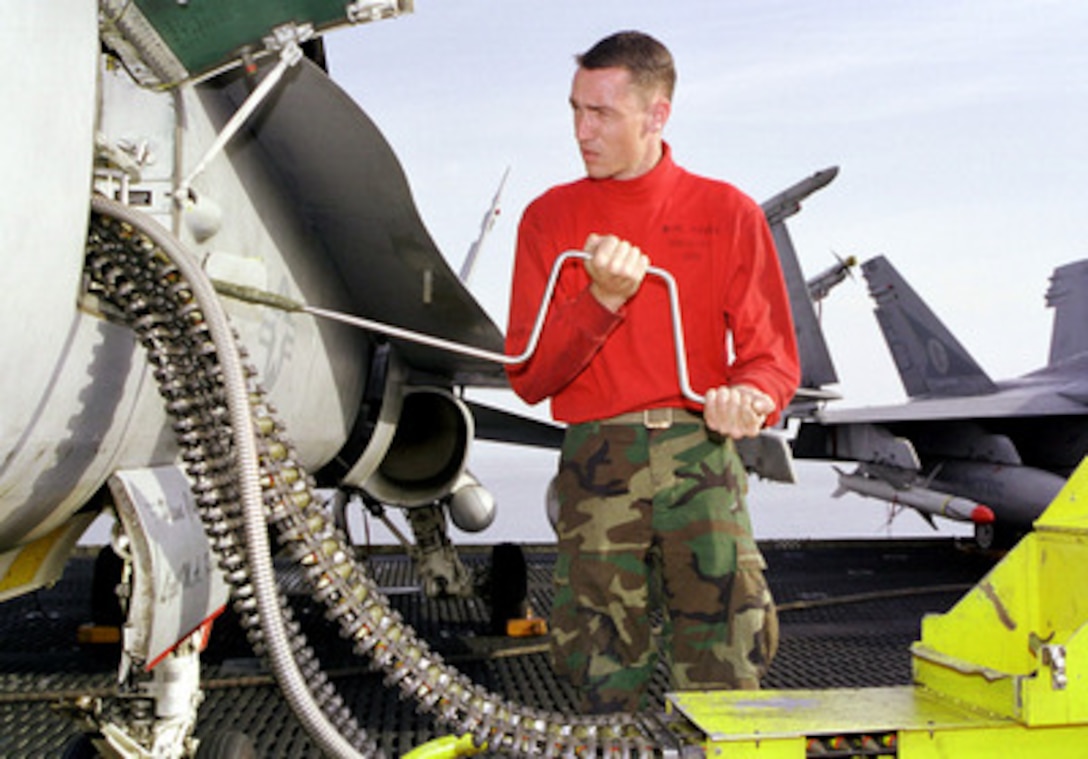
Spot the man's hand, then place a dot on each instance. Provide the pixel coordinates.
(738, 411)
(616, 269)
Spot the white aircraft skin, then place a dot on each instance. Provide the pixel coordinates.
(79, 402)
(42, 233)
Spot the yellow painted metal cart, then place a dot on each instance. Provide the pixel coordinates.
(1002, 672)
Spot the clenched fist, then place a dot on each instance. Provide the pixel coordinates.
(616, 268)
(737, 411)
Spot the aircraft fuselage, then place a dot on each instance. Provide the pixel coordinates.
(79, 400)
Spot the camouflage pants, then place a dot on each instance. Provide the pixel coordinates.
(648, 518)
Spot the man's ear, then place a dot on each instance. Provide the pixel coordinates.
(660, 110)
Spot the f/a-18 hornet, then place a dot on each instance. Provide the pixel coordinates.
(964, 446)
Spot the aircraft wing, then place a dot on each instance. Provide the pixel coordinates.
(349, 187)
(945, 382)
(1022, 400)
(502, 426)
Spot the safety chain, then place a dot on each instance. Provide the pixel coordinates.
(128, 270)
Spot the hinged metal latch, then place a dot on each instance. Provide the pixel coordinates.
(365, 11)
(1052, 656)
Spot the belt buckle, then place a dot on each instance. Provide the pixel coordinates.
(657, 418)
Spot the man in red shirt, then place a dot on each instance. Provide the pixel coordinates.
(651, 489)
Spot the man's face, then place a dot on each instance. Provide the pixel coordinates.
(618, 128)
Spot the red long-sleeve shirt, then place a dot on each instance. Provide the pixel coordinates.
(715, 241)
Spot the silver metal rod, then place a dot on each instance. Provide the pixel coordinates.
(289, 56)
(538, 327)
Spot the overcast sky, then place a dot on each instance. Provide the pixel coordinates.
(959, 128)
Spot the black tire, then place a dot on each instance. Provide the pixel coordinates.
(995, 537)
(79, 747)
(226, 744)
(509, 585)
(105, 605)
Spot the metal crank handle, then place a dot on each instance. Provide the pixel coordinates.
(278, 301)
(674, 314)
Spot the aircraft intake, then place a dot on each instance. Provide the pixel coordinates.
(428, 451)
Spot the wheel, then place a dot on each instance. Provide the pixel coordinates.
(509, 585)
(226, 744)
(79, 747)
(994, 537)
(106, 608)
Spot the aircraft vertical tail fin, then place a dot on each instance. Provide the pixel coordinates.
(930, 360)
(1068, 295)
(817, 368)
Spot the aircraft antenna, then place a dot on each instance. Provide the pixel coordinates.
(486, 225)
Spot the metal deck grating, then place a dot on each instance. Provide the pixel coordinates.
(888, 587)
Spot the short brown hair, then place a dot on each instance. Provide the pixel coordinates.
(648, 61)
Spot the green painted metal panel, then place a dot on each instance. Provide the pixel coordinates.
(204, 34)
